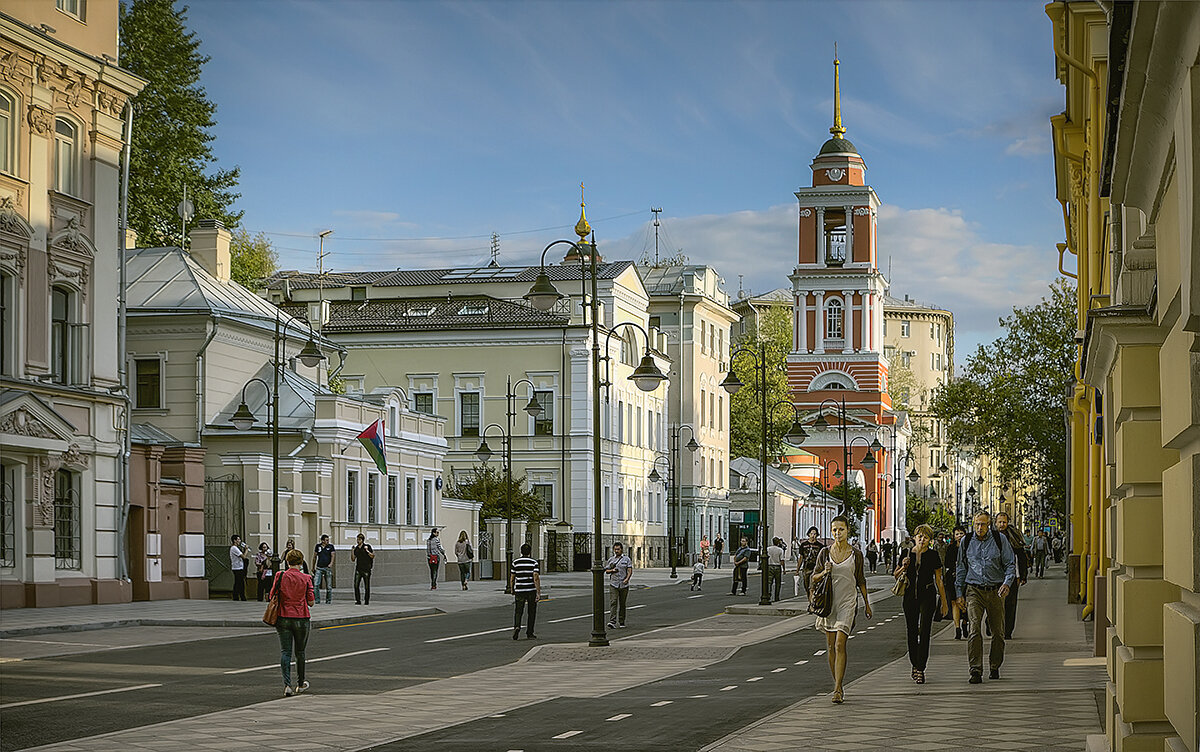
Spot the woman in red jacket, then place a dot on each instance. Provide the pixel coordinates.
(295, 589)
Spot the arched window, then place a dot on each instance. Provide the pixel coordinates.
(833, 319)
(66, 156)
(8, 132)
(835, 385)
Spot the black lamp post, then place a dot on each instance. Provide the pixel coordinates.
(673, 490)
(543, 296)
(242, 419)
(484, 453)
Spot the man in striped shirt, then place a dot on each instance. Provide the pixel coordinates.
(526, 586)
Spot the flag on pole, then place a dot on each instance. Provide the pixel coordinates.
(372, 440)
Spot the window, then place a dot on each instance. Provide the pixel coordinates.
(543, 425)
(70, 7)
(607, 503)
(712, 409)
(393, 491)
(8, 319)
(410, 501)
(372, 499)
(351, 496)
(703, 340)
(703, 402)
(427, 499)
(8, 132)
(419, 311)
(885, 327)
(620, 503)
(423, 402)
(358, 293)
(712, 471)
(473, 309)
(62, 336)
(148, 383)
(469, 409)
(393, 425)
(720, 344)
(545, 491)
(638, 420)
(833, 319)
(68, 536)
(66, 156)
(905, 327)
(629, 421)
(8, 519)
(906, 358)
(720, 480)
(620, 422)
(720, 412)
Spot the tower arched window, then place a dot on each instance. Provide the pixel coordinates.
(833, 319)
(8, 132)
(66, 156)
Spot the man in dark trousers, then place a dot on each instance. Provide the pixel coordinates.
(987, 570)
(526, 586)
(741, 565)
(323, 569)
(363, 557)
(719, 549)
(807, 560)
(1017, 541)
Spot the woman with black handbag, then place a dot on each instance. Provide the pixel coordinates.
(840, 570)
(920, 571)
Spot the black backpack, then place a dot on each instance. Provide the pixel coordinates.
(971, 536)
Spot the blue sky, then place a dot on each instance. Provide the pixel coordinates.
(416, 129)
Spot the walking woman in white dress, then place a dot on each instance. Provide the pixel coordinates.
(844, 564)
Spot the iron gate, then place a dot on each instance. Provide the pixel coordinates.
(583, 552)
(485, 555)
(224, 515)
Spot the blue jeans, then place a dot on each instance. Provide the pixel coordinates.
(323, 575)
(293, 633)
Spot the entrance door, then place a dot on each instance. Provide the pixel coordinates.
(224, 515)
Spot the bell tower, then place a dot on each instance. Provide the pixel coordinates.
(838, 291)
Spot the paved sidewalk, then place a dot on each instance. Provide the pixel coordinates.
(387, 602)
(1048, 699)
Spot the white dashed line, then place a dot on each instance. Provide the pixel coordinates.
(731, 686)
(819, 652)
(619, 717)
(778, 670)
(22, 703)
(870, 628)
(571, 618)
(696, 697)
(695, 596)
(861, 631)
(660, 703)
(754, 679)
(497, 715)
(851, 637)
(567, 735)
(315, 660)
(800, 663)
(472, 634)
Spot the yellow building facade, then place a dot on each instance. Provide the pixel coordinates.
(1126, 162)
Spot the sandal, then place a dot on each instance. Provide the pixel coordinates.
(914, 674)
(920, 677)
(838, 698)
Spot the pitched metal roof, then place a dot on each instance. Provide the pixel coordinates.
(462, 275)
(430, 313)
(777, 480)
(144, 433)
(891, 302)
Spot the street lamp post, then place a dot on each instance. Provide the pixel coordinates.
(242, 419)
(673, 487)
(543, 296)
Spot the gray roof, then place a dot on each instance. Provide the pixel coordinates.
(430, 313)
(462, 275)
(670, 278)
(297, 402)
(144, 433)
(777, 480)
(169, 280)
(891, 302)
(778, 295)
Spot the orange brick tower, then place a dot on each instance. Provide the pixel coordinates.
(837, 343)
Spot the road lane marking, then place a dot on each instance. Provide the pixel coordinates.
(567, 735)
(696, 697)
(53, 642)
(22, 703)
(660, 703)
(473, 634)
(861, 631)
(851, 637)
(819, 652)
(378, 621)
(310, 660)
(497, 715)
(570, 618)
(695, 596)
(731, 686)
(800, 663)
(870, 628)
(619, 717)
(778, 670)
(754, 679)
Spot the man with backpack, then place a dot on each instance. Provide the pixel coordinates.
(987, 571)
(1021, 552)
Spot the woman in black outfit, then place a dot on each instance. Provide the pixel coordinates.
(923, 568)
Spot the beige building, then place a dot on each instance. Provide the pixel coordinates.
(456, 338)
(199, 346)
(62, 413)
(690, 308)
(1125, 169)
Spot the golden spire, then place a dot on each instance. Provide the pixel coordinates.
(582, 228)
(837, 130)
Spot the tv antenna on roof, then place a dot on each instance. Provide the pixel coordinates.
(495, 251)
(656, 212)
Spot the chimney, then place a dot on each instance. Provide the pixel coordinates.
(130, 238)
(210, 248)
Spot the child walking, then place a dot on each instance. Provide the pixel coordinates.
(697, 574)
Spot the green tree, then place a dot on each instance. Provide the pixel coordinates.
(172, 121)
(1008, 402)
(487, 484)
(853, 502)
(745, 408)
(918, 512)
(251, 258)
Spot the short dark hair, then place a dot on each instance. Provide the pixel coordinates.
(959, 527)
(813, 529)
(324, 537)
(618, 543)
(526, 549)
(234, 538)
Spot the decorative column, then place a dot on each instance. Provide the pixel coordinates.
(849, 236)
(867, 321)
(847, 320)
(820, 236)
(819, 326)
(802, 322)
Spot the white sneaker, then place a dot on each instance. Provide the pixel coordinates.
(301, 687)
(287, 690)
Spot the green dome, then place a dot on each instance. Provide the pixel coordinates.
(838, 146)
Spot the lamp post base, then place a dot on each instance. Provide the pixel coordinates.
(599, 637)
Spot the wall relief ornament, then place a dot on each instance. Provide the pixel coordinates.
(44, 503)
(862, 211)
(110, 100)
(11, 69)
(74, 459)
(835, 173)
(17, 258)
(21, 423)
(806, 212)
(71, 238)
(40, 119)
(80, 275)
(11, 220)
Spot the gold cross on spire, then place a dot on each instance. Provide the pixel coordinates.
(837, 130)
(582, 228)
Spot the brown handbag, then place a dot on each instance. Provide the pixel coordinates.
(271, 615)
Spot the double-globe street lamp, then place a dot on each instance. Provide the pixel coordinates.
(795, 435)
(672, 482)
(543, 296)
(484, 453)
(242, 419)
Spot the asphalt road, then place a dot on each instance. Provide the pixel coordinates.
(192, 677)
(686, 711)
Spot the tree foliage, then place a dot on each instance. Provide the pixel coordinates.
(251, 258)
(853, 503)
(1008, 402)
(487, 484)
(918, 512)
(172, 119)
(774, 334)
